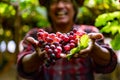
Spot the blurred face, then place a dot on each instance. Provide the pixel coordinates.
(61, 11)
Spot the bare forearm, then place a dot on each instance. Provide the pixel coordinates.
(100, 55)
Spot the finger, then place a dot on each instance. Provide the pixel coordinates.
(77, 55)
(40, 52)
(32, 41)
(95, 36)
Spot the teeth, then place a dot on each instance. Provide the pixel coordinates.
(61, 13)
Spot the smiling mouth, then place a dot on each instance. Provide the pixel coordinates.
(61, 13)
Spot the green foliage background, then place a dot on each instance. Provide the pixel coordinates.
(17, 17)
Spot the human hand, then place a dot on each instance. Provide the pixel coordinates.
(93, 37)
(35, 43)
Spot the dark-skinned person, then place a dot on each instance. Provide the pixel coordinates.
(98, 57)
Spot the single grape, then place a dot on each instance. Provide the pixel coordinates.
(72, 41)
(48, 39)
(59, 48)
(72, 45)
(59, 34)
(56, 43)
(40, 35)
(50, 51)
(71, 33)
(74, 30)
(67, 47)
(66, 38)
(55, 51)
(45, 34)
(71, 37)
(52, 35)
(57, 39)
(40, 30)
(47, 47)
(52, 46)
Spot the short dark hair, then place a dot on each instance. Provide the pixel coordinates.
(75, 6)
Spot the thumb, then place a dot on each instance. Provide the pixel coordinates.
(32, 41)
(95, 36)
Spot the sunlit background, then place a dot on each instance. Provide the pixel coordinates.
(17, 17)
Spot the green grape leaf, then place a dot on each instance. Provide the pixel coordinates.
(115, 42)
(84, 41)
(72, 52)
(82, 44)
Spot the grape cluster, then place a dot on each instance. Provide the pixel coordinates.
(56, 43)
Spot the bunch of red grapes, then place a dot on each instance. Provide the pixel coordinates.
(56, 43)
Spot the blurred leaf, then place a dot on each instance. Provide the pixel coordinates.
(2, 7)
(111, 27)
(103, 19)
(5, 9)
(116, 42)
(84, 40)
(42, 11)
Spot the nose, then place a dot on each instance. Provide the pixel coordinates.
(60, 4)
